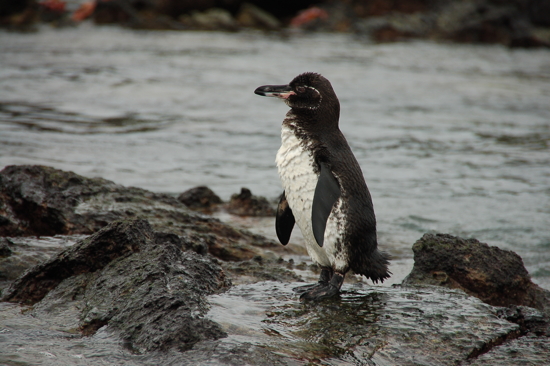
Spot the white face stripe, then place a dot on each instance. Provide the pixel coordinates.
(320, 98)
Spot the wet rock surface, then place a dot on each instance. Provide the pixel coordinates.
(261, 269)
(496, 276)
(147, 290)
(168, 286)
(43, 201)
(365, 325)
(26, 252)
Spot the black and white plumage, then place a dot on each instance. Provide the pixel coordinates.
(325, 193)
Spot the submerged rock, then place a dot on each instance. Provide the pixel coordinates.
(146, 289)
(496, 276)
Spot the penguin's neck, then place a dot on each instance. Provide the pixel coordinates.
(313, 123)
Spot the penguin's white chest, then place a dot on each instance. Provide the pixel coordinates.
(295, 165)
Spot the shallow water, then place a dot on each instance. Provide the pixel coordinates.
(451, 138)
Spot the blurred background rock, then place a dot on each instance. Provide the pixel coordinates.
(514, 23)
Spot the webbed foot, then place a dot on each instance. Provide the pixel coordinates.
(325, 290)
(305, 288)
(324, 279)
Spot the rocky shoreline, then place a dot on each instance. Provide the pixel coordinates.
(157, 277)
(514, 23)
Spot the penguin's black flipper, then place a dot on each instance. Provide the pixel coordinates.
(284, 221)
(326, 194)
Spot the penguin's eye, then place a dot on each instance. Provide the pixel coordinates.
(300, 89)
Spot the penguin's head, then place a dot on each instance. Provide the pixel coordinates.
(307, 92)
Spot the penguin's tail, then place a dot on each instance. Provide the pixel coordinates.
(375, 266)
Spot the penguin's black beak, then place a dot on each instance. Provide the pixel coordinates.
(279, 91)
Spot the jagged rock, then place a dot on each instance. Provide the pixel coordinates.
(246, 204)
(200, 197)
(39, 200)
(529, 319)
(145, 287)
(23, 253)
(496, 276)
(87, 256)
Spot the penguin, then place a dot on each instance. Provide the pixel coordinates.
(325, 192)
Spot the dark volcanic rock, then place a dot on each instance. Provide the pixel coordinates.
(529, 319)
(39, 200)
(473, 21)
(261, 269)
(200, 197)
(494, 275)
(6, 246)
(245, 204)
(89, 255)
(22, 253)
(150, 293)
